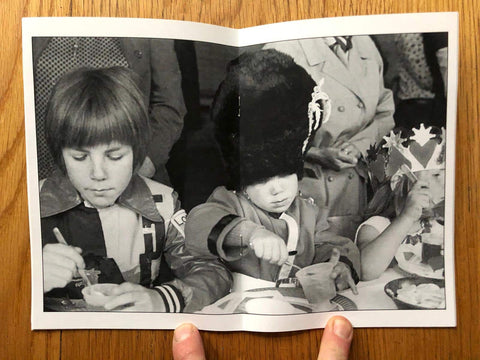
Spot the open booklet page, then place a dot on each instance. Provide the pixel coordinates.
(260, 179)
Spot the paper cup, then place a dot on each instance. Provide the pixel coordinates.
(318, 286)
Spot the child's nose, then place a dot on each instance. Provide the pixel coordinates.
(276, 187)
(98, 170)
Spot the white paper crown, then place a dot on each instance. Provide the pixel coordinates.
(422, 151)
(319, 110)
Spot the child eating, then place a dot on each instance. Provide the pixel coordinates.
(265, 115)
(409, 207)
(100, 218)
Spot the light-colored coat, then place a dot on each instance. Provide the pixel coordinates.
(362, 113)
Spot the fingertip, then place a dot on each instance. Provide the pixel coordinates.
(183, 332)
(336, 339)
(187, 343)
(342, 327)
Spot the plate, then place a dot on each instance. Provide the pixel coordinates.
(270, 306)
(392, 287)
(293, 298)
(409, 259)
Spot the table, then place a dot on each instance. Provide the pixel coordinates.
(371, 296)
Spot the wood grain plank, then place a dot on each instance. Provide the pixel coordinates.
(16, 339)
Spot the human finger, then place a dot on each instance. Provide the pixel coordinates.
(334, 257)
(53, 280)
(59, 260)
(348, 150)
(347, 157)
(66, 251)
(126, 287)
(267, 251)
(352, 284)
(122, 300)
(187, 343)
(336, 339)
(61, 272)
(283, 255)
(275, 253)
(258, 247)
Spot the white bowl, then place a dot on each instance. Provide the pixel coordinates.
(98, 294)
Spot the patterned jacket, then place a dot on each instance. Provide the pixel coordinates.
(230, 214)
(146, 225)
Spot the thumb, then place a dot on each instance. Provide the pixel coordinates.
(187, 343)
(336, 339)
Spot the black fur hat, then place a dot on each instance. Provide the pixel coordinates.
(264, 117)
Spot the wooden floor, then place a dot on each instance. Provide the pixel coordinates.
(16, 339)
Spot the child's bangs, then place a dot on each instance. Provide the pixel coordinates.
(99, 122)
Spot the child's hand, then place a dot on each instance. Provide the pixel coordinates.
(138, 297)
(269, 246)
(343, 278)
(341, 273)
(418, 198)
(60, 265)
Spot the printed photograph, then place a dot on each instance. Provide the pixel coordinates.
(293, 177)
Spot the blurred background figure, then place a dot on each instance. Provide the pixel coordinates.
(155, 62)
(420, 91)
(362, 113)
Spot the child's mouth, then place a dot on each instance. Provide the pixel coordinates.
(279, 203)
(100, 191)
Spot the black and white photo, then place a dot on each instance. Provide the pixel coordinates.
(259, 179)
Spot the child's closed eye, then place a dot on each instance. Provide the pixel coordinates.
(80, 157)
(115, 157)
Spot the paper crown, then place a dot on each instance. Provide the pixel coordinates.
(398, 155)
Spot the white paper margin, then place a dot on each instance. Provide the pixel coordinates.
(151, 28)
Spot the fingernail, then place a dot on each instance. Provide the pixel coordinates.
(342, 328)
(182, 332)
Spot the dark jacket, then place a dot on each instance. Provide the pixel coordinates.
(196, 281)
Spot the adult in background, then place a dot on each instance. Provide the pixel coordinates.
(421, 81)
(154, 60)
(362, 113)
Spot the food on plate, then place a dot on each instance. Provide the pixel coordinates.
(426, 295)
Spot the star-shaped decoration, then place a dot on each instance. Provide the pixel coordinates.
(372, 153)
(393, 140)
(422, 135)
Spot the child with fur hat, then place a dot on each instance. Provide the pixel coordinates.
(265, 115)
(100, 218)
(406, 213)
